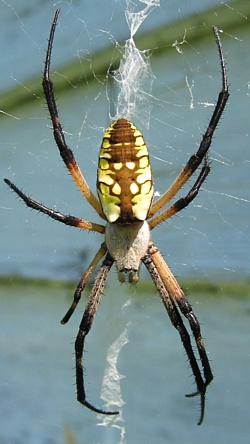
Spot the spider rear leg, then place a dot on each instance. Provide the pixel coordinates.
(84, 328)
(83, 282)
(168, 288)
(185, 307)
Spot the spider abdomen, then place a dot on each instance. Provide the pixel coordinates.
(127, 244)
(124, 178)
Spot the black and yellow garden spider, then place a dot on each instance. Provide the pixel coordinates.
(125, 191)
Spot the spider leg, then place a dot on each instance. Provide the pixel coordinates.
(170, 291)
(183, 201)
(83, 282)
(179, 296)
(65, 151)
(196, 159)
(65, 219)
(84, 329)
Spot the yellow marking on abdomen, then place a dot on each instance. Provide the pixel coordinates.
(116, 189)
(143, 162)
(105, 176)
(130, 165)
(104, 164)
(118, 166)
(134, 188)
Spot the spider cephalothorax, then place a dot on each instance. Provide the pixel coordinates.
(125, 191)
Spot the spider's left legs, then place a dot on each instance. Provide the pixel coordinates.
(72, 221)
(170, 291)
(84, 328)
(66, 153)
(83, 282)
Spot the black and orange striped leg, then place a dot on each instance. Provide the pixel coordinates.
(197, 158)
(72, 221)
(84, 328)
(170, 293)
(83, 282)
(183, 201)
(65, 151)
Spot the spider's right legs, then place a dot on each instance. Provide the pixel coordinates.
(183, 201)
(84, 328)
(196, 159)
(179, 297)
(177, 322)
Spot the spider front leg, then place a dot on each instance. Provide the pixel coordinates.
(65, 152)
(170, 292)
(84, 328)
(197, 158)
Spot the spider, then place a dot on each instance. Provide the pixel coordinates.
(125, 203)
